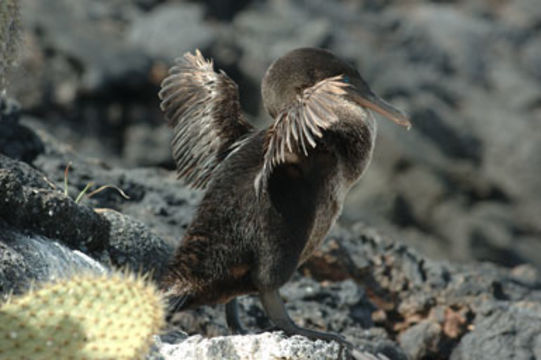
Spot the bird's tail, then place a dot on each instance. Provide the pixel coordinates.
(175, 304)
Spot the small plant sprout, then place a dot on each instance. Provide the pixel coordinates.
(79, 196)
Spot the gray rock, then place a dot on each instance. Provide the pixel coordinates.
(521, 13)
(133, 246)
(95, 50)
(16, 141)
(464, 52)
(141, 137)
(156, 197)
(26, 259)
(531, 53)
(506, 332)
(23, 173)
(225, 9)
(52, 214)
(45, 234)
(263, 346)
(10, 36)
(265, 34)
(419, 338)
(433, 306)
(170, 30)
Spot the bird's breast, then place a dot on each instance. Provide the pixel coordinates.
(325, 216)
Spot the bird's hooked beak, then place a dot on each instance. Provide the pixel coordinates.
(371, 101)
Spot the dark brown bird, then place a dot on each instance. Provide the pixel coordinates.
(271, 195)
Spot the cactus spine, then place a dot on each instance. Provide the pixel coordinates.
(86, 317)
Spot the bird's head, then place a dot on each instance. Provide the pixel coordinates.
(300, 69)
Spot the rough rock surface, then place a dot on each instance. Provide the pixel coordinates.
(266, 346)
(28, 258)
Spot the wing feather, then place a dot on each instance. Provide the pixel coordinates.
(296, 128)
(202, 107)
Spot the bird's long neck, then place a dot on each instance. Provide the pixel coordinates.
(354, 139)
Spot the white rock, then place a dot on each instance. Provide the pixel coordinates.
(265, 346)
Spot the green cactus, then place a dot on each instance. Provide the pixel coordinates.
(86, 317)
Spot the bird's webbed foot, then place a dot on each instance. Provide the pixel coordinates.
(277, 313)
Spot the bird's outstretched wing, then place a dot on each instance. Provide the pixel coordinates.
(202, 106)
(296, 128)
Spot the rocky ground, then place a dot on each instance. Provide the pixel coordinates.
(402, 275)
(383, 296)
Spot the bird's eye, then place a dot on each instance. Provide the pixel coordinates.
(345, 79)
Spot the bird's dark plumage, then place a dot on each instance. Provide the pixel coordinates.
(271, 195)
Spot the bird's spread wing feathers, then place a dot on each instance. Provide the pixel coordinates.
(297, 128)
(202, 106)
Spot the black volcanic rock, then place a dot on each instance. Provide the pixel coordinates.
(16, 140)
(51, 213)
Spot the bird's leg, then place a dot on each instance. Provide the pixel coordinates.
(232, 317)
(277, 313)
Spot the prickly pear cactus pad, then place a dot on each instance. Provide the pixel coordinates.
(85, 317)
